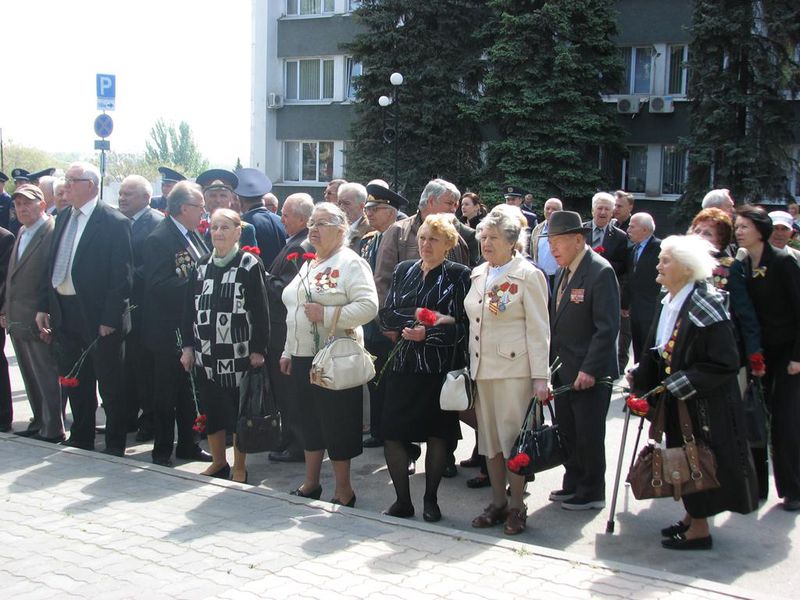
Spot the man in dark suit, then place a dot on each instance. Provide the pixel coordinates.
(640, 291)
(83, 302)
(584, 323)
(270, 234)
(6, 404)
(297, 209)
(169, 253)
(134, 199)
(169, 177)
(34, 357)
(623, 207)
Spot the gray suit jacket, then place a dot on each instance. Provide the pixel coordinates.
(23, 281)
(585, 326)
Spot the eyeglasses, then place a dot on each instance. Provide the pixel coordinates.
(75, 179)
(313, 224)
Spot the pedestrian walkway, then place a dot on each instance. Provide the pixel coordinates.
(86, 525)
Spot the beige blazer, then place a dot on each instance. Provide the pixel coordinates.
(23, 280)
(509, 326)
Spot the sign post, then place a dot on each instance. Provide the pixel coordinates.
(106, 91)
(104, 124)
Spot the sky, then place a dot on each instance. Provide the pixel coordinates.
(174, 59)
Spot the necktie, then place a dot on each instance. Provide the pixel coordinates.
(192, 246)
(597, 238)
(198, 242)
(562, 288)
(64, 256)
(637, 251)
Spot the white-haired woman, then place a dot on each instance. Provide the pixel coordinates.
(509, 346)
(694, 355)
(335, 278)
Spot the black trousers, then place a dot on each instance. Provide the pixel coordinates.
(624, 342)
(139, 379)
(377, 391)
(173, 404)
(285, 392)
(782, 394)
(6, 404)
(102, 368)
(581, 417)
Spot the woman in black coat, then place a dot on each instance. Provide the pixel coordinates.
(695, 357)
(773, 281)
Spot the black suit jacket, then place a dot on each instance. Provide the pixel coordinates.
(270, 234)
(102, 271)
(640, 291)
(615, 244)
(164, 286)
(140, 229)
(585, 325)
(6, 246)
(280, 273)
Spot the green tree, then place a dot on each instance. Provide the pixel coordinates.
(238, 164)
(432, 45)
(175, 148)
(548, 64)
(32, 159)
(120, 165)
(742, 64)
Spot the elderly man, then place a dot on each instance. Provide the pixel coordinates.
(168, 255)
(603, 236)
(381, 212)
(782, 231)
(26, 269)
(720, 198)
(84, 303)
(46, 184)
(623, 207)
(513, 196)
(297, 209)
(640, 291)
(271, 202)
(584, 323)
(331, 193)
(169, 177)
(134, 202)
(351, 199)
(218, 186)
(59, 197)
(270, 234)
(540, 247)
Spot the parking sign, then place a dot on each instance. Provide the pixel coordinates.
(106, 91)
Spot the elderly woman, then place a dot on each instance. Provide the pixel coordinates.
(773, 281)
(226, 325)
(694, 355)
(335, 278)
(425, 354)
(472, 209)
(509, 342)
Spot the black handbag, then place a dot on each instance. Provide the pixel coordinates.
(755, 413)
(259, 427)
(539, 446)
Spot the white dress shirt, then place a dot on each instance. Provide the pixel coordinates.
(26, 234)
(669, 314)
(67, 288)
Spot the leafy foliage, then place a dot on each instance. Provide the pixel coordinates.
(174, 147)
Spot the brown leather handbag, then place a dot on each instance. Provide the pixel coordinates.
(660, 472)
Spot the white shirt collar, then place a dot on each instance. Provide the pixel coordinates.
(89, 207)
(139, 214)
(180, 226)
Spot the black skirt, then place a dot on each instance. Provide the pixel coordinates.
(220, 405)
(411, 412)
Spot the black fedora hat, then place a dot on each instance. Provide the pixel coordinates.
(565, 221)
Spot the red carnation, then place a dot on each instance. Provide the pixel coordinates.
(202, 229)
(550, 397)
(427, 317)
(637, 406)
(518, 462)
(252, 250)
(200, 423)
(309, 256)
(599, 250)
(69, 382)
(757, 365)
(293, 256)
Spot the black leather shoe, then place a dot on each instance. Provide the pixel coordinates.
(162, 461)
(144, 436)
(481, 481)
(472, 462)
(372, 442)
(412, 467)
(313, 494)
(674, 529)
(27, 433)
(287, 456)
(73, 444)
(350, 503)
(223, 472)
(791, 504)
(196, 454)
(119, 452)
(401, 510)
(450, 471)
(53, 440)
(679, 542)
(431, 513)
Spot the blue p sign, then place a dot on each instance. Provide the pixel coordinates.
(106, 91)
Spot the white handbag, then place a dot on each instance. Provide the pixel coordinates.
(342, 363)
(458, 390)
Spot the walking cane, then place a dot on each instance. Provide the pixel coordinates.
(636, 445)
(612, 512)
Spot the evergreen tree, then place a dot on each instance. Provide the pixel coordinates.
(432, 45)
(548, 64)
(742, 63)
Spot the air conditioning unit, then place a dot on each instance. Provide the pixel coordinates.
(661, 104)
(274, 101)
(628, 105)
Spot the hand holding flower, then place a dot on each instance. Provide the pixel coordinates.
(315, 312)
(414, 334)
(757, 366)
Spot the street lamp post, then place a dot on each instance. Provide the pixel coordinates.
(391, 134)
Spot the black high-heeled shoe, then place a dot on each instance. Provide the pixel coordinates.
(313, 494)
(246, 477)
(351, 503)
(222, 472)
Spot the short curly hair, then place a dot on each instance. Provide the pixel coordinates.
(443, 224)
(721, 222)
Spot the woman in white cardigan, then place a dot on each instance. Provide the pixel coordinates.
(335, 277)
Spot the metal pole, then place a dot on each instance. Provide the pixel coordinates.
(396, 136)
(102, 171)
(612, 512)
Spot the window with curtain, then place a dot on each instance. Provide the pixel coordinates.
(308, 161)
(637, 68)
(309, 79)
(309, 7)
(635, 169)
(677, 70)
(673, 170)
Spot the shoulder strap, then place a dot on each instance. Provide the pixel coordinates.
(335, 321)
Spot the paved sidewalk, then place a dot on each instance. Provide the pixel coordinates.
(85, 525)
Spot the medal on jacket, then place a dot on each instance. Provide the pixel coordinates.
(183, 263)
(500, 295)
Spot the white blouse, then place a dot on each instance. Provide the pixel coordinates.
(669, 314)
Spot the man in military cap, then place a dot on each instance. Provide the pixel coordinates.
(33, 178)
(270, 234)
(169, 177)
(514, 196)
(218, 192)
(20, 176)
(5, 202)
(380, 211)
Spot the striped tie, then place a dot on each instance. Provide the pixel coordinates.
(64, 256)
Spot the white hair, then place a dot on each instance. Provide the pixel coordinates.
(602, 197)
(646, 219)
(301, 203)
(716, 198)
(556, 201)
(436, 188)
(142, 185)
(338, 216)
(509, 221)
(58, 184)
(90, 171)
(353, 187)
(693, 252)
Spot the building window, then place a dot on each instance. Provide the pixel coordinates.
(673, 170)
(309, 7)
(352, 72)
(309, 79)
(635, 169)
(308, 161)
(353, 5)
(637, 63)
(678, 70)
